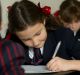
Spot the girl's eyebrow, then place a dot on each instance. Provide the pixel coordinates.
(39, 31)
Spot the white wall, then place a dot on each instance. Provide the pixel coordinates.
(54, 4)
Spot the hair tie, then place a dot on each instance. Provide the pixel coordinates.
(46, 9)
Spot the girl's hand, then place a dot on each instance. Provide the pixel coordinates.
(58, 64)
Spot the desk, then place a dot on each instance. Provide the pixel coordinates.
(59, 73)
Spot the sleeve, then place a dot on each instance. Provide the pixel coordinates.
(75, 51)
(11, 58)
(72, 45)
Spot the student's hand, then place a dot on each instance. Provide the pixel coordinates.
(58, 64)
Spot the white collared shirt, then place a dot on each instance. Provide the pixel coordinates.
(31, 52)
(75, 33)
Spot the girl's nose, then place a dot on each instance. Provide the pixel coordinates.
(35, 42)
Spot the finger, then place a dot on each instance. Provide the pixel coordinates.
(50, 63)
(53, 67)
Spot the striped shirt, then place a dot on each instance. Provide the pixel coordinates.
(11, 58)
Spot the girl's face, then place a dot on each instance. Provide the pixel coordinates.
(74, 26)
(34, 36)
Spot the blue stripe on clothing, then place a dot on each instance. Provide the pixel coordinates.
(9, 56)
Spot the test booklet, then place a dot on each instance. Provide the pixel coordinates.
(35, 69)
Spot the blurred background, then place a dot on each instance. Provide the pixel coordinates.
(54, 4)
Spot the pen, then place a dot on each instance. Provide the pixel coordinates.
(56, 49)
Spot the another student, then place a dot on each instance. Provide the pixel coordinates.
(69, 14)
(11, 56)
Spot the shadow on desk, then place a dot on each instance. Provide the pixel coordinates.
(74, 73)
(59, 73)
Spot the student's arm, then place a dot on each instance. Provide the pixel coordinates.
(72, 46)
(11, 58)
(73, 49)
(58, 64)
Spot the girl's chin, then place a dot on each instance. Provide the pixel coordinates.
(40, 46)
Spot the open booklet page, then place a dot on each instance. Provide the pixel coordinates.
(35, 69)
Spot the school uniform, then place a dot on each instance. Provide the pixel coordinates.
(76, 48)
(77, 36)
(76, 51)
(11, 57)
(48, 50)
(69, 47)
(70, 42)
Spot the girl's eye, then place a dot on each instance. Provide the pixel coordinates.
(26, 39)
(38, 33)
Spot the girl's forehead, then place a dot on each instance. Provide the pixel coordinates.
(30, 31)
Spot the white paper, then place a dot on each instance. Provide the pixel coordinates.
(35, 69)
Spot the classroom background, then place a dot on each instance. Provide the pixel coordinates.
(54, 4)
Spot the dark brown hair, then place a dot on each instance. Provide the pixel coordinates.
(24, 14)
(70, 11)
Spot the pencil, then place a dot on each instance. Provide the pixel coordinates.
(56, 49)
